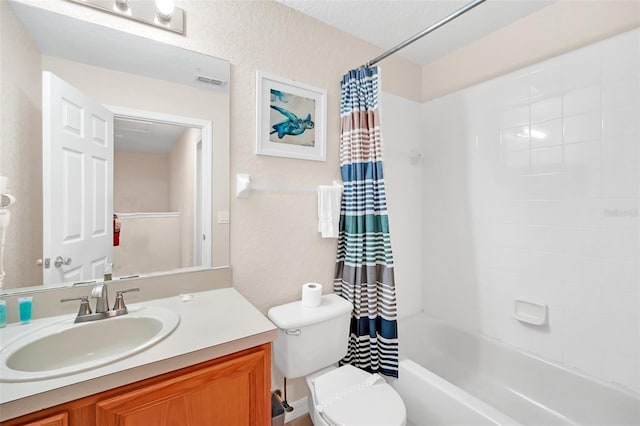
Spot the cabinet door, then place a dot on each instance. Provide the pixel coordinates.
(56, 420)
(233, 392)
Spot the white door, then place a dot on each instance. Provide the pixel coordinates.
(78, 183)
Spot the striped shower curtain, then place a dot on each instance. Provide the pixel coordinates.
(364, 263)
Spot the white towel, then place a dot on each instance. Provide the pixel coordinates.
(329, 210)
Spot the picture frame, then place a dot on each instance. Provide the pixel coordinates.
(290, 118)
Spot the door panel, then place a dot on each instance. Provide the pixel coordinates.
(78, 183)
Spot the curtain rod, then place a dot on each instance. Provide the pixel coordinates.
(424, 32)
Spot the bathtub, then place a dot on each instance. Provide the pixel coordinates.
(450, 377)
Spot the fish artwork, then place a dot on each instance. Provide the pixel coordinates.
(277, 95)
(293, 125)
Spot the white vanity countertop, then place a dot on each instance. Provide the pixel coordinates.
(215, 323)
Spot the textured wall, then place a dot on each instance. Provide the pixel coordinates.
(147, 244)
(275, 246)
(21, 143)
(140, 182)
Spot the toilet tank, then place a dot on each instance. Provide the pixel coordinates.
(310, 339)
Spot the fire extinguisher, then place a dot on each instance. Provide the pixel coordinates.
(116, 230)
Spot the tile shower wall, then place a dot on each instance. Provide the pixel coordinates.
(400, 123)
(531, 192)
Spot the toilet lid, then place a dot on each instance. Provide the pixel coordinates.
(350, 396)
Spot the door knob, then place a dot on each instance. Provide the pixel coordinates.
(62, 261)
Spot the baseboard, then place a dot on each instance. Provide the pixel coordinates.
(300, 408)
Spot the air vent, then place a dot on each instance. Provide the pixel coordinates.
(209, 80)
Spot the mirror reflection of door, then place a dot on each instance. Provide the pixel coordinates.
(156, 196)
(77, 183)
(144, 170)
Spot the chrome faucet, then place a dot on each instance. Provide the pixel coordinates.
(100, 293)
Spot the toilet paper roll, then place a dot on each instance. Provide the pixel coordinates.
(311, 294)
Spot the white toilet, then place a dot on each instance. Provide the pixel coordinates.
(310, 341)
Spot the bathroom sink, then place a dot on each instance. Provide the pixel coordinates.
(64, 348)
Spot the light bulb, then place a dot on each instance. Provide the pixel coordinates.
(165, 9)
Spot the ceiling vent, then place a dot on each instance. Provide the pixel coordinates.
(209, 80)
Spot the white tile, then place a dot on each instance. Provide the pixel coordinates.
(585, 212)
(620, 92)
(516, 162)
(581, 67)
(546, 133)
(511, 259)
(623, 334)
(511, 212)
(515, 187)
(583, 357)
(620, 183)
(546, 109)
(547, 343)
(568, 236)
(582, 100)
(514, 333)
(580, 296)
(620, 55)
(550, 239)
(623, 277)
(513, 88)
(546, 160)
(582, 184)
(583, 345)
(621, 121)
(487, 324)
(546, 80)
(544, 186)
(515, 138)
(585, 270)
(583, 127)
(620, 214)
(582, 156)
(620, 244)
(515, 116)
(622, 370)
(511, 235)
(546, 291)
(547, 212)
(548, 265)
(612, 244)
(621, 152)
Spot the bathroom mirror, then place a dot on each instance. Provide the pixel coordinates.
(149, 86)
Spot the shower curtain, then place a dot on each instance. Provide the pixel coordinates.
(364, 261)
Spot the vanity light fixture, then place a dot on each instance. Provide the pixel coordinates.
(159, 13)
(165, 9)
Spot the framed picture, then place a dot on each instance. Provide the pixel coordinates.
(291, 119)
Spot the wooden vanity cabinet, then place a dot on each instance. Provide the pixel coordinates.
(231, 390)
(56, 420)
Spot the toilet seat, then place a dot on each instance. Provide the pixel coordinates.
(350, 396)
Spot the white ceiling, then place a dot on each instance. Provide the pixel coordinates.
(386, 23)
(145, 136)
